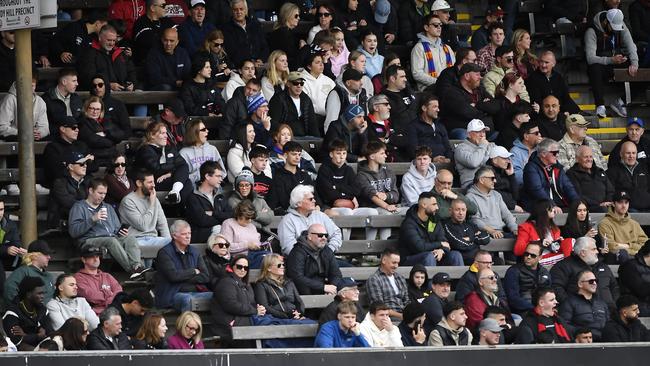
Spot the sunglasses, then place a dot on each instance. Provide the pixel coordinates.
(75, 127)
(80, 164)
(491, 178)
(321, 235)
(491, 278)
(509, 59)
(224, 245)
(280, 265)
(529, 254)
(163, 5)
(297, 16)
(204, 129)
(98, 85)
(117, 165)
(324, 15)
(554, 152)
(437, 25)
(241, 267)
(217, 44)
(592, 281)
(296, 83)
(536, 133)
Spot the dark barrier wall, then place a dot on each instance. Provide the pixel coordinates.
(555, 355)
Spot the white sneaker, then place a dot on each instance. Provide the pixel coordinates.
(601, 112)
(13, 190)
(3, 192)
(619, 108)
(42, 190)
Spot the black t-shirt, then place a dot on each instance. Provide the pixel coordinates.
(262, 184)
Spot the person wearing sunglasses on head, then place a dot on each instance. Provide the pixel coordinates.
(217, 256)
(68, 189)
(585, 308)
(114, 109)
(522, 279)
(285, 36)
(545, 178)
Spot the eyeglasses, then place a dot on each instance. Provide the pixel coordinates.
(217, 44)
(297, 16)
(491, 278)
(492, 178)
(98, 85)
(280, 265)
(117, 165)
(296, 83)
(163, 5)
(444, 183)
(509, 59)
(536, 133)
(223, 245)
(204, 129)
(592, 281)
(311, 199)
(321, 235)
(324, 15)
(554, 152)
(241, 267)
(94, 109)
(192, 329)
(244, 185)
(437, 25)
(529, 254)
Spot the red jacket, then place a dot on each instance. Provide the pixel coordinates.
(127, 10)
(475, 306)
(99, 289)
(527, 233)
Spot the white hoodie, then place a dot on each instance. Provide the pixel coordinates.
(317, 89)
(9, 114)
(233, 83)
(413, 183)
(380, 338)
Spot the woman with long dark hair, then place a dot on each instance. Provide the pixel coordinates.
(578, 223)
(540, 227)
(71, 336)
(119, 184)
(242, 142)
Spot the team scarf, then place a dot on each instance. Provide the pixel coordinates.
(431, 66)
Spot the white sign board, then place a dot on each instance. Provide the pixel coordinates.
(20, 14)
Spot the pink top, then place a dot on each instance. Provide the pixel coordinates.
(340, 60)
(239, 236)
(177, 341)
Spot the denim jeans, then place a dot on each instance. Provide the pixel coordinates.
(182, 300)
(427, 259)
(152, 240)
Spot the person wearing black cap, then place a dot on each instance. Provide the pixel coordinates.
(133, 307)
(350, 92)
(348, 290)
(411, 327)
(26, 321)
(434, 303)
(98, 287)
(623, 235)
(35, 263)
(634, 132)
(68, 189)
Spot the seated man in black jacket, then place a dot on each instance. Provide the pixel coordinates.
(312, 265)
(543, 321)
(246, 39)
(236, 111)
(26, 322)
(167, 64)
(625, 325)
(546, 81)
(132, 308)
(68, 189)
(590, 181)
(287, 178)
(293, 107)
(108, 336)
(351, 128)
(436, 301)
(207, 207)
(522, 279)
(631, 176)
(427, 130)
(464, 237)
(635, 277)
(585, 309)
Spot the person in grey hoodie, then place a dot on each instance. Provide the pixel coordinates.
(473, 152)
(419, 178)
(9, 115)
(426, 72)
(493, 215)
(198, 150)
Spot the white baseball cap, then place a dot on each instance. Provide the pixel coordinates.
(440, 5)
(499, 151)
(477, 125)
(194, 3)
(615, 19)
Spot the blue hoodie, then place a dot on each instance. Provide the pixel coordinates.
(374, 63)
(519, 159)
(331, 335)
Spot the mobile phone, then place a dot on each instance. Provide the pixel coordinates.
(124, 227)
(417, 328)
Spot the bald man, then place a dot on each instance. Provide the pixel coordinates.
(167, 65)
(630, 176)
(590, 181)
(444, 195)
(551, 121)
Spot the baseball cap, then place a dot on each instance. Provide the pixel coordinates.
(295, 75)
(74, 157)
(635, 120)
(382, 10)
(68, 121)
(469, 67)
(440, 278)
(576, 120)
(495, 10)
(490, 324)
(194, 3)
(499, 151)
(40, 246)
(620, 196)
(615, 19)
(346, 282)
(175, 105)
(351, 74)
(476, 125)
(91, 251)
(352, 111)
(441, 5)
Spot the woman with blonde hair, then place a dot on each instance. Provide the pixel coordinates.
(189, 330)
(217, 257)
(276, 292)
(198, 150)
(357, 61)
(277, 73)
(340, 52)
(151, 334)
(525, 60)
(284, 36)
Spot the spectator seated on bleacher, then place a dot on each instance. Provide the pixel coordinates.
(152, 334)
(198, 150)
(68, 189)
(523, 147)
(469, 280)
(199, 93)
(377, 328)
(545, 178)
(631, 175)
(174, 117)
(294, 107)
(634, 276)
(67, 304)
(317, 85)
(9, 115)
(551, 122)
(466, 101)
(444, 194)
(243, 76)
(590, 180)
(217, 257)
(349, 91)
(546, 81)
(506, 181)
(168, 166)
(623, 235)
(576, 136)
(436, 301)
(189, 331)
(387, 286)
(70, 41)
(243, 190)
(148, 29)
(503, 82)
(564, 274)
(540, 228)
(99, 132)
(578, 223)
(403, 106)
(543, 321)
(522, 279)
(463, 236)
(114, 109)
(277, 73)
(585, 308)
(489, 331)
(25, 321)
(103, 57)
(108, 336)
(97, 287)
(243, 236)
(142, 211)
(8, 59)
(380, 122)
(478, 301)
(412, 325)
(181, 272)
(473, 152)
(119, 183)
(511, 117)
(35, 262)
(10, 244)
(62, 100)
(240, 150)
(634, 132)
(195, 28)
(167, 64)
(220, 62)
(287, 177)
(206, 207)
(625, 326)
(525, 60)
(418, 282)
(344, 332)
(285, 37)
(258, 115)
(450, 76)
(132, 308)
(431, 54)
(91, 222)
(443, 10)
(419, 178)
(451, 330)
(352, 128)
(426, 130)
(486, 56)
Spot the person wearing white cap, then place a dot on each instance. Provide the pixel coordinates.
(608, 43)
(430, 55)
(194, 30)
(442, 9)
(473, 152)
(489, 332)
(506, 182)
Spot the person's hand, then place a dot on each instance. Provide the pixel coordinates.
(510, 170)
(604, 250)
(90, 157)
(296, 314)
(37, 134)
(163, 177)
(382, 196)
(66, 57)
(438, 253)
(419, 336)
(100, 133)
(606, 204)
(17, 331)
(496, 234)
(535, 107)
(389, 37)
(519, 209)
(226, 71)
(592, 232)
(632, 70)
(355, 202)
(363, 23)
(266, 121)
(261, 310)
(127, 51)
(441, 160)
(116, 87)
(363, 126)
(618, 59)
(14, 251)
(253, 246)
(445, 245)
(99, 215)
(196, 271)
(152, 196)
(557, 210)
(355, 329)
(448, 194)
(123, 232)
(329, 289)
(302, 43)
(387, 324)
(129, 87)
(45, 62)
(391, 208)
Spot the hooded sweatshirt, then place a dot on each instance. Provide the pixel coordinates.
(600, 48)
(380, 337)
(372, 182)
(60, 310)
(374, 63)
(442, 55)
(9, 114)
(469, 157)
(317, 89)
(233, 83)
(492, 210)
(413, 183)
(622, 229)
(293, 224)
(195, 156)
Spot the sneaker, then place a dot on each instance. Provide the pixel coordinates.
(13, 190)
(139, 272)
(173, 197)
(3, 192)
(619, 108)
(42, 190)
(601, 112)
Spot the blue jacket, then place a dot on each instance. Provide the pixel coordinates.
(537, 184)
(374, 63)
(192, 35)
(164, 69)
(331, 335)
(519, 159)
(421, 133)
(173, 275)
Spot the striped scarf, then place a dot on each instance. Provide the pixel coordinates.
(431, 66)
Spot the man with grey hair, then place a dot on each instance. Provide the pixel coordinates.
(181, 272)
(302, 213)
(245, 40)
(545, 178)
(565, 273)
(108, 336)
(493, 215)
(576, 136)
(590, 181)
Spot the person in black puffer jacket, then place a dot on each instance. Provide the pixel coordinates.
(199, 95)
(635, 277)
(625, 325)
(312, 265)
(217, 257)
(99, 132)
